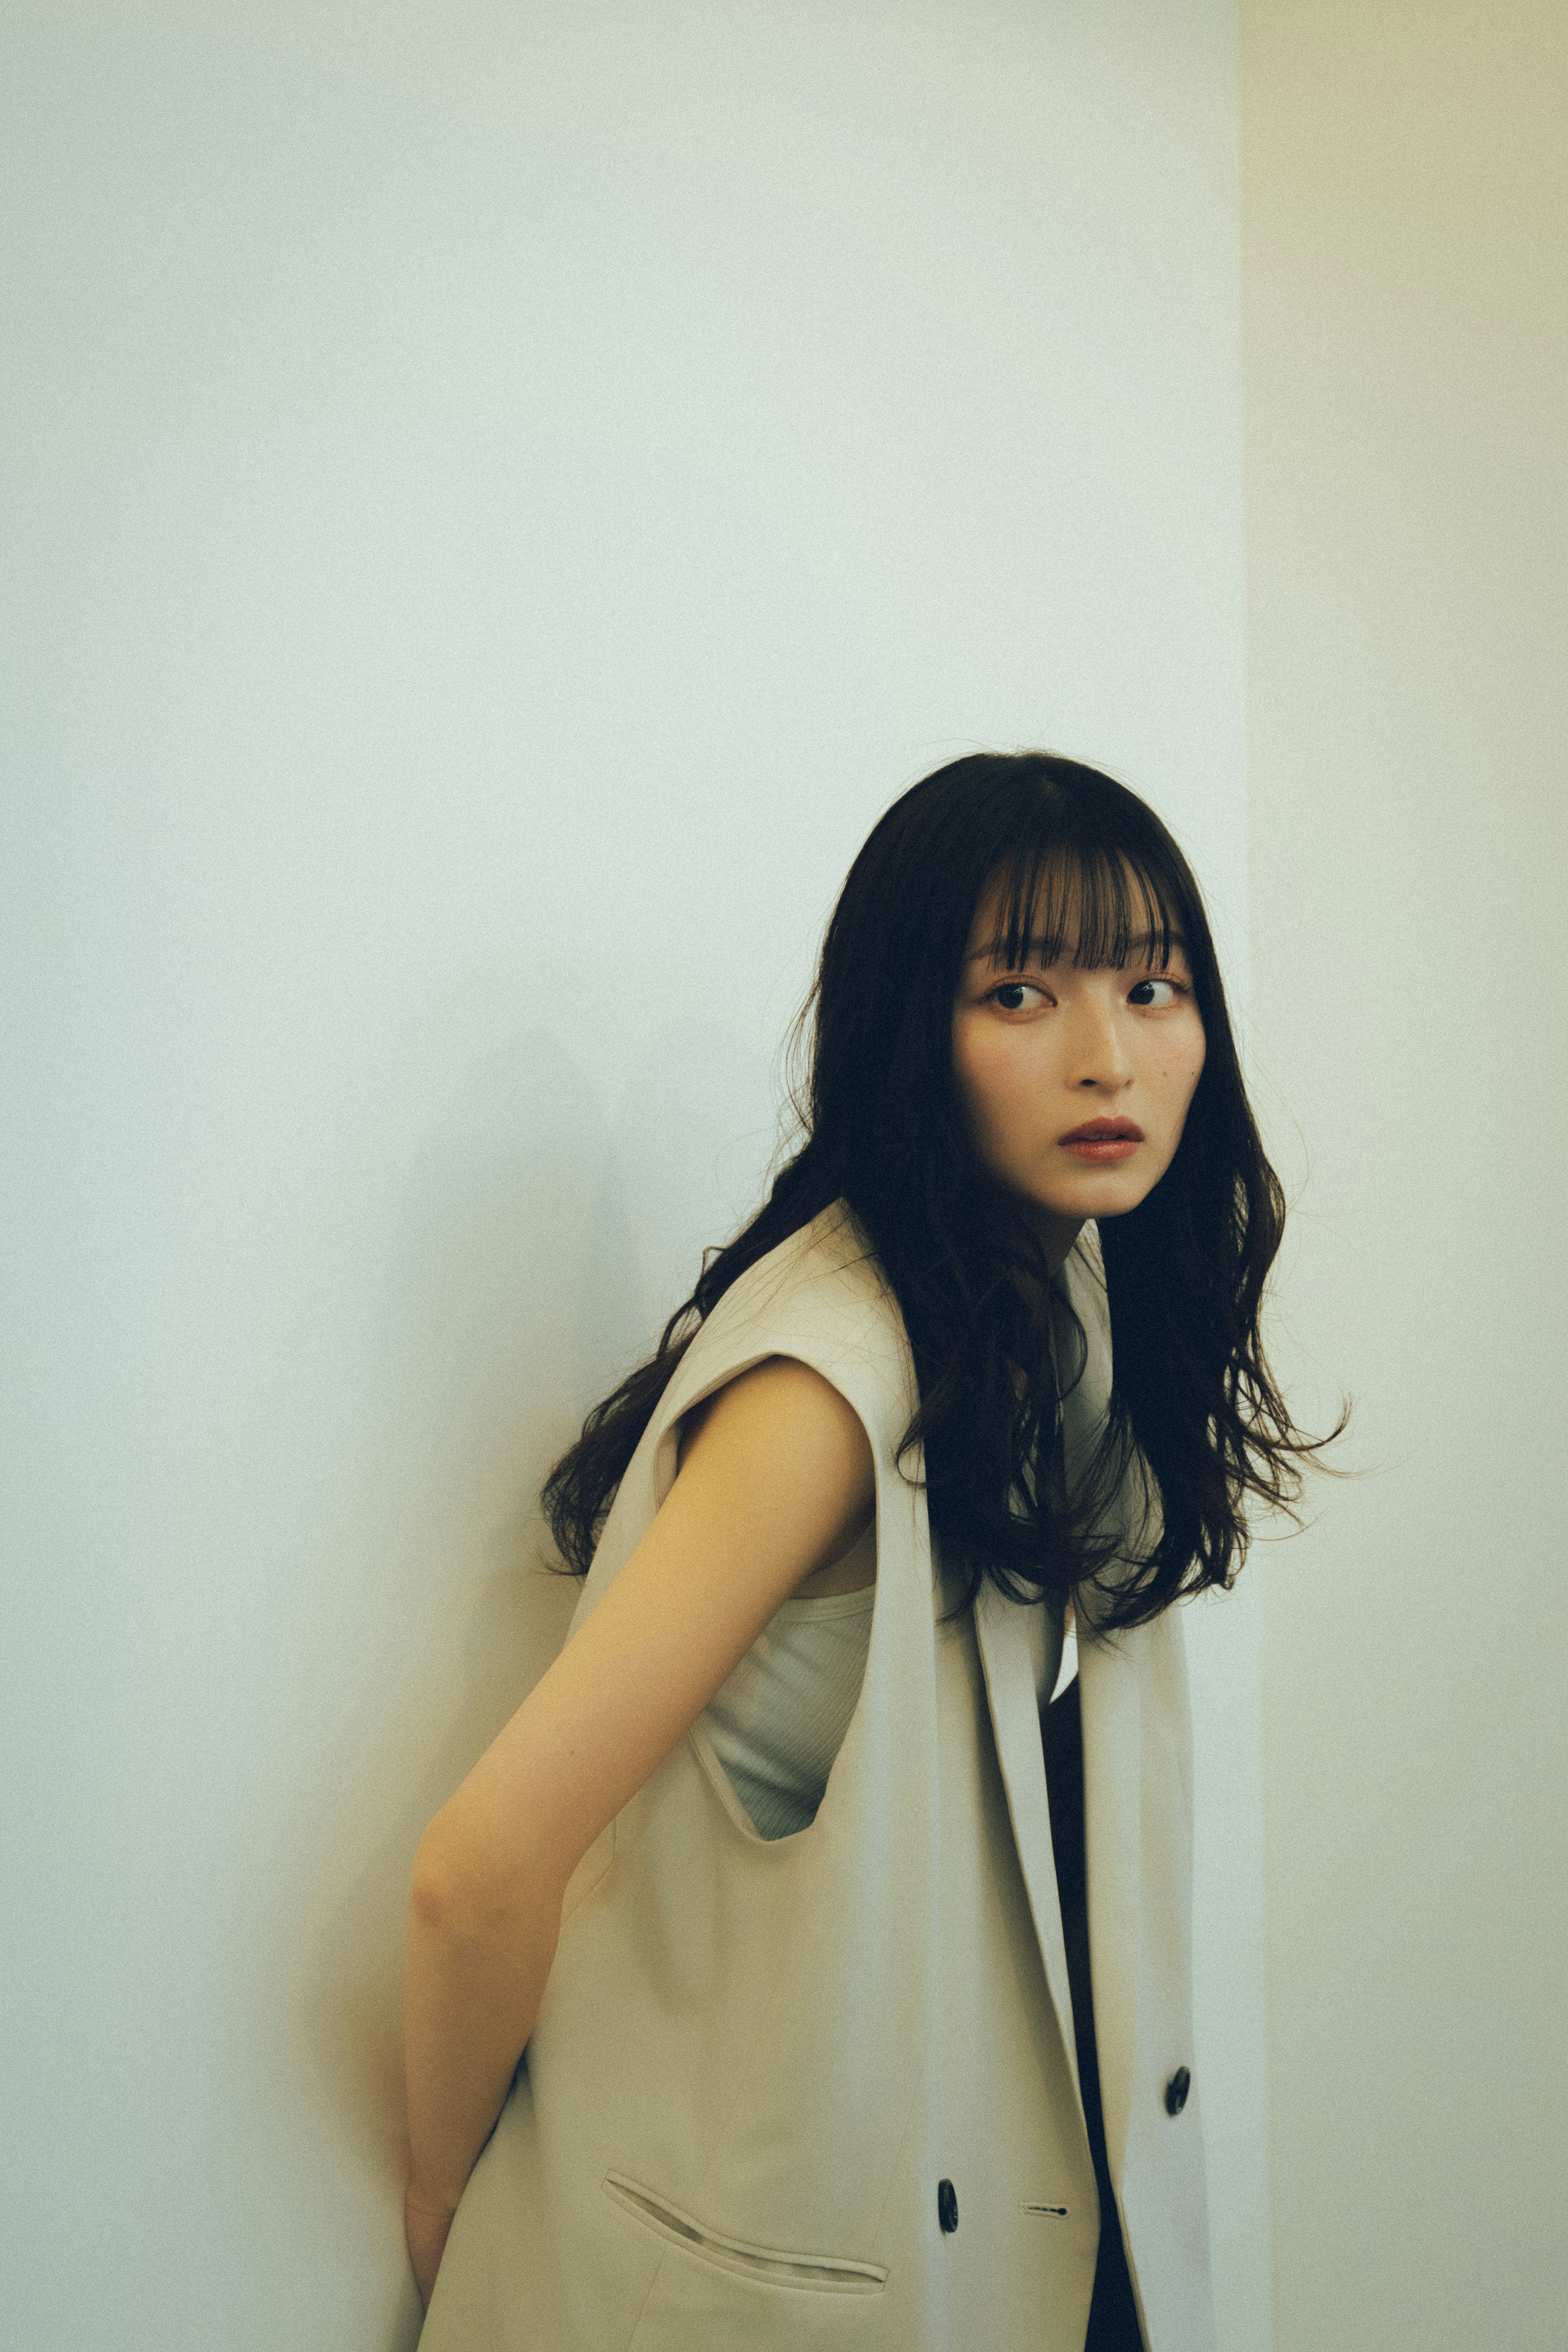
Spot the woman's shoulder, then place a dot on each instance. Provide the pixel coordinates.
(819, 1296)
(827, 1265)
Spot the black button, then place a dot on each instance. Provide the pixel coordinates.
(1176, 2089)
(947, 2205)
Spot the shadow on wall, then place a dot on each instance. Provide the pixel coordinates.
(508, 1290)
(534, 1258)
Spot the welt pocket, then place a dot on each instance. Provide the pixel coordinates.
(769, 2265)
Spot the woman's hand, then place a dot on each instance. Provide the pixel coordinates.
(425, 2226)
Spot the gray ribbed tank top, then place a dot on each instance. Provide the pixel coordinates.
(780, 1719)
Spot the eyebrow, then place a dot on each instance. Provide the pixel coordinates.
(1140, 942)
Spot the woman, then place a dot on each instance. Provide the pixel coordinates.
(852, 1973)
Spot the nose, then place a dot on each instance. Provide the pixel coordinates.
(1097, 1051)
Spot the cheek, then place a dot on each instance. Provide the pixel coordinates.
(1175, 1073)
(1186, 1069)
(989, 1078)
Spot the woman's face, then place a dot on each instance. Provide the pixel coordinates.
(1076, 1083)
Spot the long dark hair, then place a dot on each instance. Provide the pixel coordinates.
(882, 1129)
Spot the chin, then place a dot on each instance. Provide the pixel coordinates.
(1099, 1201)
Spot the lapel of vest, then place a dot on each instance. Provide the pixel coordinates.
(1109, 1691)
(1008, 1669)
(1111, 1716)
(1111, 1694)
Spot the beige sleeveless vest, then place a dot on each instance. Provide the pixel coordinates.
(757, 2062)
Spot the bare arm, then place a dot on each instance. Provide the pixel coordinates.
(775, 1481)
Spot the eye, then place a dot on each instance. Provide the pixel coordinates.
(1144, 992)
(1013, 993)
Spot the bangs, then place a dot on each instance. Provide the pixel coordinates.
(1089, 904)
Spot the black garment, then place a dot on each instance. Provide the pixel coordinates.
(1114, 2315)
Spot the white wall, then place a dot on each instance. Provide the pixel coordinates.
(1407, 303)
(496, 500)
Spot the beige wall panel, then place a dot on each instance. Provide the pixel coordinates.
(1406, 276)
